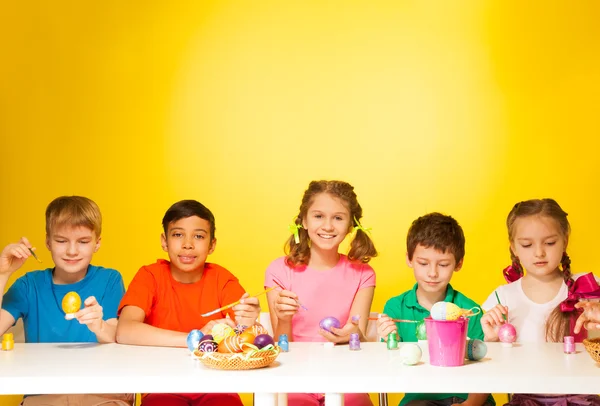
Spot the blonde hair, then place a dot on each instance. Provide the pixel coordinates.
(74, 211)
(558, 324)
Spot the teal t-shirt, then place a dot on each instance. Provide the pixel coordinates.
(407, 307)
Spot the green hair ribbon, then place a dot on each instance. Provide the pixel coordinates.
(359, 226)
(294, 230)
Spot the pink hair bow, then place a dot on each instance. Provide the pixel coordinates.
(511, 274)
(584, 287)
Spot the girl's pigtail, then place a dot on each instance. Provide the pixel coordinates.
(559, 323)
(362, 247)
(514, 271)
(298, 253)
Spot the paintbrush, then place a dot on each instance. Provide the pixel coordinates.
(234, 303)
(34, 255)
(283, 287)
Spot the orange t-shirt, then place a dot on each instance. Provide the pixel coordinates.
(176, 306)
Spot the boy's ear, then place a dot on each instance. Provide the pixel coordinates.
(163, 242)
(213, 245)
(48, 242)
(459, 265)
(97, 247)
(408, 261)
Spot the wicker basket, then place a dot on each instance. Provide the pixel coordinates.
(238, 361)
(593, 348)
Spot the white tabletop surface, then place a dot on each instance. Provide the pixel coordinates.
(308, 367)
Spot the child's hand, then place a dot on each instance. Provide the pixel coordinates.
(491, 320)
(209, 326)
(590, 318)
(385, 326)
(342, 335)
(247, 311)
(286, 305)
(13, 256)
(91, 315)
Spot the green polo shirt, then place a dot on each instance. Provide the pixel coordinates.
(407, 307)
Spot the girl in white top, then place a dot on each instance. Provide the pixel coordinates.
(539, 303)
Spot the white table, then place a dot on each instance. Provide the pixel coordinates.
(308, 367)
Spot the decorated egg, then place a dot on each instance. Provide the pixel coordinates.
(445, 311)
(410, 353)
(230, 344)
(476, 350)
(257, 329)
(220, 331)
(421, 331)
(70, 304)
(328, 322)
(239, 329)
(507, 334)
(207, 346)
(207, 337)
(246, 337)
(262, 340)
(193, 339)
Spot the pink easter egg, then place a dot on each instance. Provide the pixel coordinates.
(507, 333)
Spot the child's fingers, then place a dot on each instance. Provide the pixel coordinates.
(249, 301)
(287, 294)
(90, 301)
(25, 242)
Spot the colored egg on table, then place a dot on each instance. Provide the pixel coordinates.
(507, 333)
(445, 311)
(421, 331)
(246, 337)
(328, 322)
(262, 340)
(410, 353)
(257, 329)
(193, 339)
(220, 331)
(229, 344)
(476, 350)
(71, 304)
(207, 346)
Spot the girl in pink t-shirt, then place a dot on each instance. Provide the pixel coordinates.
(320, 282)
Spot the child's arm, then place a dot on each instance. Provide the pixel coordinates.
(282, 307)
(361, 307)
(13, 256)
(92, 316)
(131, 329)
(590, 318)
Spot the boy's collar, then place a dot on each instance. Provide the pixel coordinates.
(411, 298)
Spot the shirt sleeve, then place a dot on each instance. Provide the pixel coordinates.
(15, 299)
(141, 292)
(367, 277)
(115, 289)
(275, 271)
(492, 301)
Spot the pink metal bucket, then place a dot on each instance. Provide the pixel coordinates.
(447, 340)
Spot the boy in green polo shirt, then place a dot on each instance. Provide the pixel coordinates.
(435, 250)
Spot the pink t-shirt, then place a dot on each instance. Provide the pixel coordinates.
(325, 293)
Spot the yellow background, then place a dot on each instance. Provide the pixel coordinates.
(464, 107)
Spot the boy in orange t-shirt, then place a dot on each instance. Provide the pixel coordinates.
(165, 300)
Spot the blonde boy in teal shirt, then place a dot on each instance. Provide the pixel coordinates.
(435, 250)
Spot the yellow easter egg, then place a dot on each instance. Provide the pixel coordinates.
(220, 331)
(71, 304)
